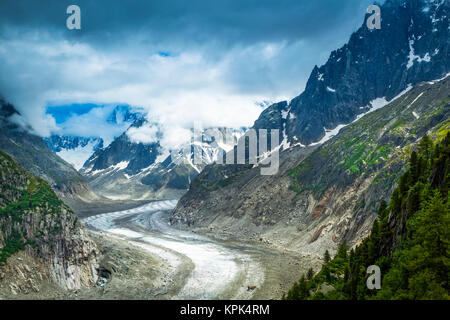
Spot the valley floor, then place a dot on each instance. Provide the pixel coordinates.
(145, 258)
(181, 264)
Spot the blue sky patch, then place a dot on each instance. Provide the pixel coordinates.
(62, 113)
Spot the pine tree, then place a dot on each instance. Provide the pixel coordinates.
(425, 146)
(414, 165)
(420, 217)
(326, 257)
(382, 210)
(413, 201)
(342, 251)
(327, 273)
(433, 232)
(396, 202)
(403, 185)
(300, 291)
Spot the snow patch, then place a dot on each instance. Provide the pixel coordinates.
(414, 101)
(224, 146)
(120, 166)
(437, 80)
(413, 57)
(285, 144)
(373, 105)
(329, 134)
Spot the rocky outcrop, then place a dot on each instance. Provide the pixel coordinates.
(34, 221)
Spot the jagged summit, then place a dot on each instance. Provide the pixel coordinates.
(77, 149)
(411, 46)
(132, 169)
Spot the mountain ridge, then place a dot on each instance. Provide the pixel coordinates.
(128, 169)
(351, 79)
(323, 194)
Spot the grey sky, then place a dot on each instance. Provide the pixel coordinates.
(224, 56)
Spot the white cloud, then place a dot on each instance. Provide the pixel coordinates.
(175, 90)
(175, 137)
(92, 124)
(148, 133)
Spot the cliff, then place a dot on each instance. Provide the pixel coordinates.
(39, 226)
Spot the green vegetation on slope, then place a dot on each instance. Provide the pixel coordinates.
(376, 145)
(13, 245)
(22, 194)
(38, 193)
(410, 240)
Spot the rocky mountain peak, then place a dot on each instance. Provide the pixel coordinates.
(411, 46)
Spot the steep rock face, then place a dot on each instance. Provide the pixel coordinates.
(31, 152)
(274, 117)
(133, 156)
(322, 194)
(34, 220)
(411, 46)
(116, 171)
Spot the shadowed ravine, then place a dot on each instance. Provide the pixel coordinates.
(219, 272)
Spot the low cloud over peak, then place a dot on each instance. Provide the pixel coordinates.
(209, 61)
